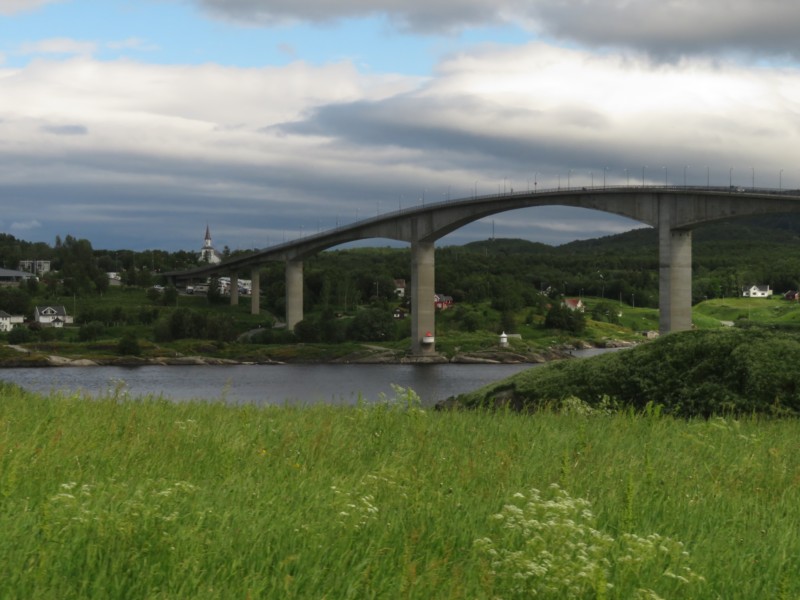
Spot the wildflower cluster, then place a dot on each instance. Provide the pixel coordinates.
(354, 510)
(115, 511)
(404, 399)
(550, 547)
(659, 554)
(547, 547)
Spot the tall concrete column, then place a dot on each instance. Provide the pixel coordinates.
(255, 292)
(234, 289)
(674, 279)
(294, 293)
(423, 288)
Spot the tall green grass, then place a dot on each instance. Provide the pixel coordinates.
(129, 498)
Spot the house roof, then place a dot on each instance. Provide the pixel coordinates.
(6, 273)
(57, 310)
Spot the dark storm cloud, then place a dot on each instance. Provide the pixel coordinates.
(429, 17)
(450, 133)
(65, 129)
(666, 28)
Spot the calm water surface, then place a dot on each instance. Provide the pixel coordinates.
(266, 384)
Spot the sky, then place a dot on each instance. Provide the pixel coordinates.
(135, 124)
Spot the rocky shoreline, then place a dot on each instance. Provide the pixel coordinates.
(369, 355)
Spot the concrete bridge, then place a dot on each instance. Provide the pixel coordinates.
(673, 210)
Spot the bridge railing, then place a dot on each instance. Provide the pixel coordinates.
(476, 198)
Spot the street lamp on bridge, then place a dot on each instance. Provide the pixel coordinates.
(643, 168)
(780, 180)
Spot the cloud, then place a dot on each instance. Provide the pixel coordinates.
(25, 225)
(65, 46)
(283, 151)
(65, 129)
(567, 109)
(669, 28)
(8, 7)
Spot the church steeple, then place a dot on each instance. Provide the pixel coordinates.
(207, 253)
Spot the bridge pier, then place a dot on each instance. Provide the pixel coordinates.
(674, 279)
(234, 289)
(294, 293)
(423, 316)
(255, 292)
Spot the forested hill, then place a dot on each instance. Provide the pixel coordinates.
(508, 272)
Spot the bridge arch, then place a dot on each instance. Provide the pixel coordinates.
(674, 211)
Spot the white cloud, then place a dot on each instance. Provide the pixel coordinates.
(58, 46)
(25, 225)
(8, 7)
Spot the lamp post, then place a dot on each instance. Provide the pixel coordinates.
(730, 178)
(569, 176)
(708, 177)
(534, 181)
(665, 176)
(685, 167)
(604, 177)
(592, 176)
(780, 180)
(627, 177)
(753, 184)
(643, 168)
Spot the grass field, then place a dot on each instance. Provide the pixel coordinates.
(140, 498)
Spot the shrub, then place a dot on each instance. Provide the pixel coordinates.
(371, 325)
(91, 331)
(129, 345)
(19, 335)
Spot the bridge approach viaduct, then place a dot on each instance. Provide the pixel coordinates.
(674, 211)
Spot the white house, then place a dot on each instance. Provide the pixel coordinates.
(400, 288)
(756, 291)
(52, 316)
(7, 321)
(38, 267)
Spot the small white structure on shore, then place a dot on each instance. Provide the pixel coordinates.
(503, 340)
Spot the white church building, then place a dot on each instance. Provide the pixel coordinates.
(207, 253)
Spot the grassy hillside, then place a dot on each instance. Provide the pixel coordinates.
(694, 373)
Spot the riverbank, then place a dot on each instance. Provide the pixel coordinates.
(40, 356)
